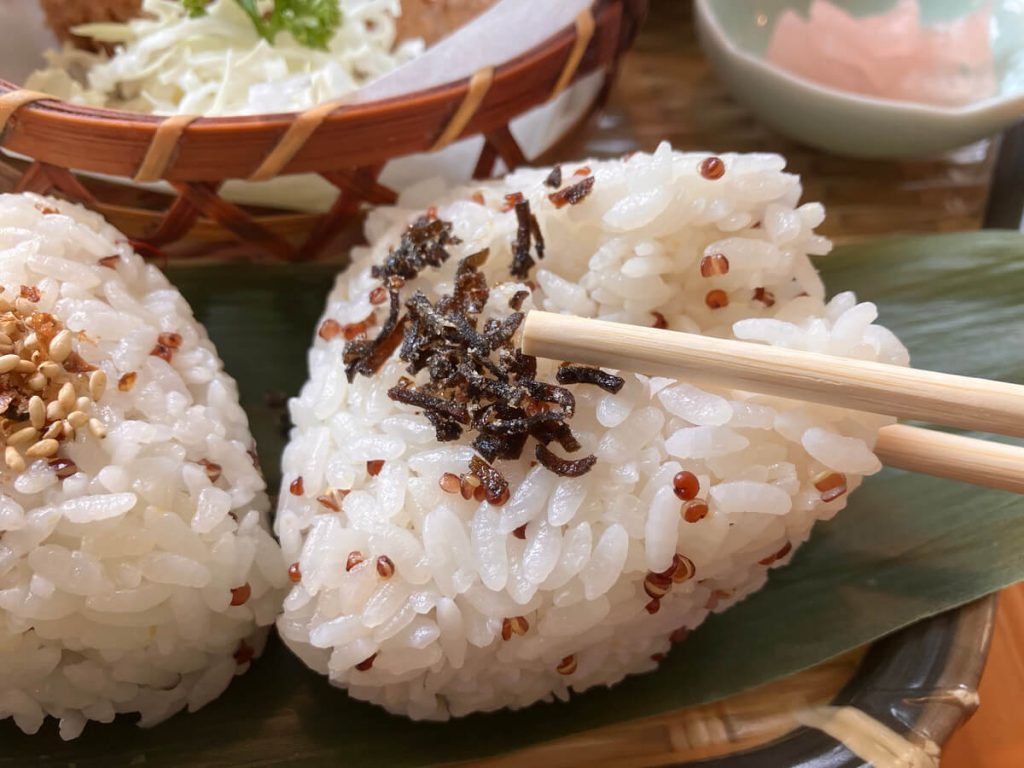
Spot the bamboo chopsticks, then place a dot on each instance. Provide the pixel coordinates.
(907, 393)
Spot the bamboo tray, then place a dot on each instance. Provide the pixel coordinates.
(340, 143)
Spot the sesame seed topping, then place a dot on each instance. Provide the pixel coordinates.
(714, 264)
(240, 595)
(355, 558)
(567, 665)
(385, 568)
(712, 168)
(126, 382)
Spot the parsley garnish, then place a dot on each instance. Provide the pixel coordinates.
(311, 22)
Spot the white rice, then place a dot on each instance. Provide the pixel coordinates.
(632, 248)
(116, 582)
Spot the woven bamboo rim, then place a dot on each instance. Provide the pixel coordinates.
(346, 144)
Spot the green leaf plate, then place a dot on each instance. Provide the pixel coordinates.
(907, 548)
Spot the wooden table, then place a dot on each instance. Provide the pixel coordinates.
(667, 91)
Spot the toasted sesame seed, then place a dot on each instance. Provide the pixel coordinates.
(656, 585)
(97, 428)
(712, 168)
(831, 484)
(694, 511)
(355, 558)
(82, 404)
(43, 449)
(68, 429)
(13, 459)
(50, 369)
(5, 339)
(66, 397)
(685, 485)
(450, 483)
(329, 329)
(170, 340)
(23, 436)
(567, 665)
(54, 411)
(385, 568)
(36, 382)
(127, 381)
(63, 468)
(366, 664)
(714, 264)
(60, 346)
(240, 595)
(328, 501)
(37, 411)
(77, 419)
(786, 549)
(679, 635)
(97, 385)
(717, 299)
(683, 569)
(25, 366)
(31, 341)
(53, 431)
(244, 654)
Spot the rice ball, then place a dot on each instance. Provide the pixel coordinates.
(137, 574)
(632, 506)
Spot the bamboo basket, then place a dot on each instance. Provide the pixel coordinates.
(69, 145)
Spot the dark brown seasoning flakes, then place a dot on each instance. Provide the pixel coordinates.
(374, 467)
(477, 379)
(516, 302)
(31, 293)
(554, 179)
(582, 374)
(110, 262)
(528, 237)
(572, 195)
(520, 532)
(659, 321)
(330, 502)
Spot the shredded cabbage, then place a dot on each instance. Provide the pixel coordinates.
(168, 63)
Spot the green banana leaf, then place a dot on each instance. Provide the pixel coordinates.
(907, 547)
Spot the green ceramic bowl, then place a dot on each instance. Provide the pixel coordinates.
(735, 36)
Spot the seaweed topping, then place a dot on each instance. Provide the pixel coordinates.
(582, 374)
(422, 245)
(572, 195)
(554, 179)
(528, 237)
(564, 467)
(516, 302)
(476, 380)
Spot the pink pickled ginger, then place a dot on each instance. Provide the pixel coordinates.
(890, 55)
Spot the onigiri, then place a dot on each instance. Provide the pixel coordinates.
(137, 572)
(469, 528)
